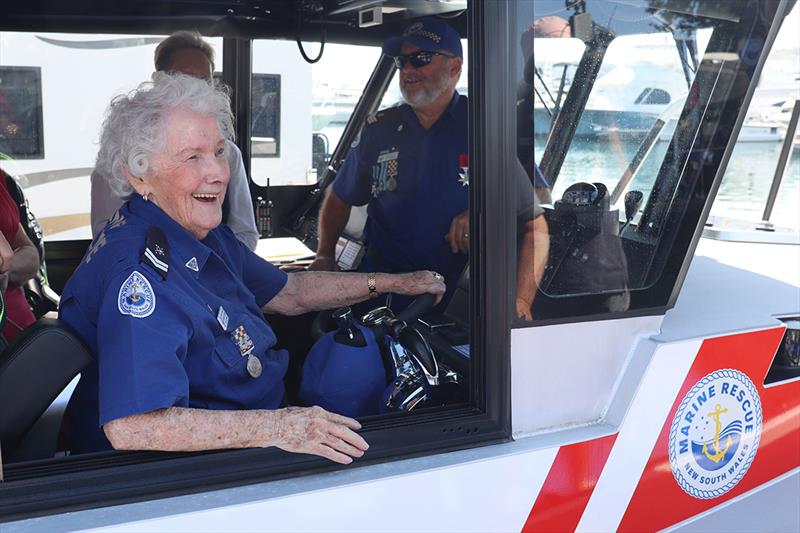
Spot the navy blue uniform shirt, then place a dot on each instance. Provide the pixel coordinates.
(412, 183)
(409, 177)
(169, 342)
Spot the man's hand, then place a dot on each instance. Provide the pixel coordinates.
(458, 236)
(524, 310)
(324, 263)
(316, 431)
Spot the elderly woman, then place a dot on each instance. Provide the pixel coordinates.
(171, 302)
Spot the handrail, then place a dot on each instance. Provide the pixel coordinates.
(780, 169)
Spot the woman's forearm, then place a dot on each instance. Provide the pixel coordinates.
(310, 430)
(183, 429)
(327, 290)
(314, 291)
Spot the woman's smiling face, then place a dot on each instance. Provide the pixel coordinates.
(189, 177)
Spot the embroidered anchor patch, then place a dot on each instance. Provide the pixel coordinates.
(136, 297)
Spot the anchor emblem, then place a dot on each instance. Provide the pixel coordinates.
(134, 297)
(718, 454)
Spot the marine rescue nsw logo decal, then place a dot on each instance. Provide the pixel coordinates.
(715, 434)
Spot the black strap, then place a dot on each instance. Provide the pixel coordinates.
(156, 252)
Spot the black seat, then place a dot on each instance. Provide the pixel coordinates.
(34, 369)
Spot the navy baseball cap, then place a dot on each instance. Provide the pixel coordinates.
(428, 34)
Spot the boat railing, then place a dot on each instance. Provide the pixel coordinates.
(735, 230)
(780, 169)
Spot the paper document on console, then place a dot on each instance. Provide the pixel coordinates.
(283, 250)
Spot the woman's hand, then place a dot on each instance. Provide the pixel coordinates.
(415, 283)
(316, 431)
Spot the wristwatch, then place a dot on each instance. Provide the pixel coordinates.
(372, 285)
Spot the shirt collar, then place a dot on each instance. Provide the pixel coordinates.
(451, 110)
(452, 107)
(183, 245)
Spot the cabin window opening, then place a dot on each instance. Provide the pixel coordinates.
(294, 132)
(341, 94)
(594, 148)
(745, 186)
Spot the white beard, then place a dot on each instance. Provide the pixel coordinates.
(426, 96)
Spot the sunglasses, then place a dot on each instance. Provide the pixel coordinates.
(417, 59)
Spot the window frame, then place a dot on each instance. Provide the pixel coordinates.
(277, 78)
(109, 478)
(219, 75)
(714, 123)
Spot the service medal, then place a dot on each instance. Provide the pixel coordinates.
(246, 346)
(463, 169)
(253, 366)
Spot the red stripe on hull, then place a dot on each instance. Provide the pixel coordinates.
(658, 500)
(569, 485)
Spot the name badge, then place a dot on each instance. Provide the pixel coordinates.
(222, 318)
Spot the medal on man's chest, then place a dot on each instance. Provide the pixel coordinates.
(463, 169)
(246, 346)
(391, 171)
(384, 172)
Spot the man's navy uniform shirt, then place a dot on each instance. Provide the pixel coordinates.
(409, 177)
(411, 180)
(174, 341)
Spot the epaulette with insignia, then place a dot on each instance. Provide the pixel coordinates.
(156, 251)
(384, 114)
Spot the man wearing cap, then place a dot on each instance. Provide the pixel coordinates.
(410, 165)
